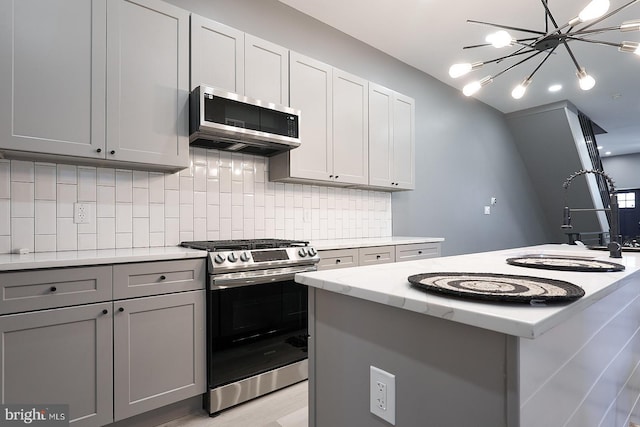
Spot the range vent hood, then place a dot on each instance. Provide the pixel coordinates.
(232, 122)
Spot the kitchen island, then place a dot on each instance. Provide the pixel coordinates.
(461, 362)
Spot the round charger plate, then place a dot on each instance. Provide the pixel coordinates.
(565, 263)
(498, 287)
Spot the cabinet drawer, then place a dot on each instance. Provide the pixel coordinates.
(417, 251)
(377, 255)
(51, 288)
(154, 278)
(338, 258)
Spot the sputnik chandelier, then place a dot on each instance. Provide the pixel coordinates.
(581, 28)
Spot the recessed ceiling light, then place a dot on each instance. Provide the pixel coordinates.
(607, 153)
(555, 88)
(599, 147)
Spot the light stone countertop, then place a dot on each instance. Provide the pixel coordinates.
(347, 243)
(387, 284)
(12, 262)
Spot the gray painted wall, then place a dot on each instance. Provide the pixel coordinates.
(464, 152)
(625, 170)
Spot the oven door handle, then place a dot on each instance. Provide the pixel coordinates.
(248, 278)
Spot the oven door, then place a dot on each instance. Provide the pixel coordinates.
(255, 326)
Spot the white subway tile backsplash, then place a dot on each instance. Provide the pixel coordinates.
(22, 202)
(45, 177)
(22, 171)
(45, 222)
(106, 177)
(67, 196)
(67, 174)
(222, 196)
(87, 184)
(5, 179)
(124, 186)
(45, 242)
(67, 235)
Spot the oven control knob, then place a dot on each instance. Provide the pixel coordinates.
(232, 257)
(302, 252)
(244, 257)
(312, 252)
(218, 259)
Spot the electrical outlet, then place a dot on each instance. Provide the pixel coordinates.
(494, 200)
(81, 213)
(382, 392)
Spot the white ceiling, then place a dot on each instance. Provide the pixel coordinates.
(430, 34)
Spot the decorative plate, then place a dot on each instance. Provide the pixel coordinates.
(565, 263)
(497, 287)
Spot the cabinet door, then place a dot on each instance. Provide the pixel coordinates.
(217, 55)
(52, 78)
(377, 255)
(404, 141)
(311, 88)
(350, 128)
(415, 251)
(159, 352)
(380, 136)
(266, 68)
(147, 82)
(338, 258)
(61, 356)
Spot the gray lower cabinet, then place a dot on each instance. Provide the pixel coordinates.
(60, 356)
(67, 338)
(159, 351)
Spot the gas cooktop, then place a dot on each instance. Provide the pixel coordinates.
(243, 244)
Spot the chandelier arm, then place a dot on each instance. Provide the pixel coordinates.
(516, 64)
(575, 61)
(594, 31)
(518, 41)
(543, 61)
(507, 27)
(601, 42)
(520, 51)
(602, 18)
(549, 14)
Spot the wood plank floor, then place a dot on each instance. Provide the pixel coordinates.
(283, 408)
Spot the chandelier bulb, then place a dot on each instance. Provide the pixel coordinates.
(499, 39)
(630, 25)
(585, 80)
(518, 91)
(633, 47)
(594, 10)
(475, 86)
(459, 70)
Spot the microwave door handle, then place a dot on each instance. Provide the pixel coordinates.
(256, 277)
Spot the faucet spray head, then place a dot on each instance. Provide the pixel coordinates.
(566, 221)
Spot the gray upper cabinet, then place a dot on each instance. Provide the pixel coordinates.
(231, 60)
(159, 351)
(391, 139)
(217, 53)
(52, 76)
(80, 82)
(61, 356)
(147, 82)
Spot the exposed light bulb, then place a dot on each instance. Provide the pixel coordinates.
(633, 47)
(499, 39)
(630, 25)
(594, 10)
(459, 70)
(585, 80)
(518, 91)
(475, 86)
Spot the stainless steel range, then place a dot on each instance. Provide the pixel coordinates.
(256, 317)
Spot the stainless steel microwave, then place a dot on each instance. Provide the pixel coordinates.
(232, 122)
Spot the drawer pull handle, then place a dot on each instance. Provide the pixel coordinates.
(112, 152)
(105, 311)
(53, 289)
(163, 277)
(121, 309)
(99, 150)
(337, 261)
(419, 252)
(377, 256)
